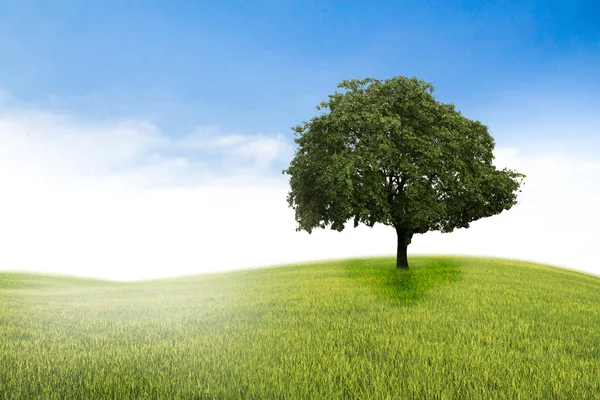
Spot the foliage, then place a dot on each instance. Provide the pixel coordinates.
(388, 152)
(447, 328)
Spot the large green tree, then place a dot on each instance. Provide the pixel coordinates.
(388, 152)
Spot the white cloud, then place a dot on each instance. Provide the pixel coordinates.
(125, 201)
(59, 147)
(556, 221)
(256, 151)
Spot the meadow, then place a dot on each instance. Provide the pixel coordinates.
(450, 327)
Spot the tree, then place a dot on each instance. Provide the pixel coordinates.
(388, 152)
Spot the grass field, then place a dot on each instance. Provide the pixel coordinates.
(354, 329)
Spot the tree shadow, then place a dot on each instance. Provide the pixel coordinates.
(405, 286)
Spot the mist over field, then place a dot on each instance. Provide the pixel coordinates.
(360, 328)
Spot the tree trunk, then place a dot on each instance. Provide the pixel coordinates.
(403, 241)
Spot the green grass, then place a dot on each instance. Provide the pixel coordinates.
(355, 329)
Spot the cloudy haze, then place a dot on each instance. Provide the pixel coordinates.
(124, 201)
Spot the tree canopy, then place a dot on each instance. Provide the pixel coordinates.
(387, 152)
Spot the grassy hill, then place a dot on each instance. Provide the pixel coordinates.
(447, 328)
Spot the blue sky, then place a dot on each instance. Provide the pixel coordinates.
(262, 66)
(98, 98)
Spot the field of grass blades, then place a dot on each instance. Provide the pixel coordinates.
(448, 328)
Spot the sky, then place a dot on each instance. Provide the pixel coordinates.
(142, 140)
